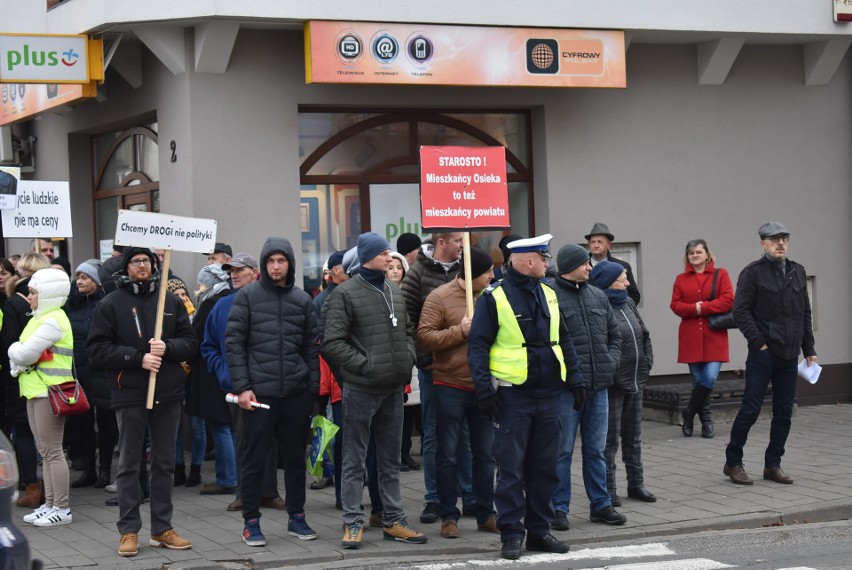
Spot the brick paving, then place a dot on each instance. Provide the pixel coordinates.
(684, 473)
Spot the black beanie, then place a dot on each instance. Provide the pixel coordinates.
(407, 242)
(503, 245)
(480, 262)
(570, 257)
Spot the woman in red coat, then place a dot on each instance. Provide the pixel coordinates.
(703, 348)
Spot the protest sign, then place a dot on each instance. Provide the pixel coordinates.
(162, 231)
(9, 176)
(43, 211)
(462, 188)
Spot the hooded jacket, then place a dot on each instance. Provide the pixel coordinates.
(271, 336)
(49, 330)
(16, 316)
(124, 322)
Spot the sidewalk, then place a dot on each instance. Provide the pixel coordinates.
(684, 473)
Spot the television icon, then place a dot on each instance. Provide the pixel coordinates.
(349, 47)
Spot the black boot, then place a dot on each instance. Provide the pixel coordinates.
(706, 418)
(194, 478)
(103, 478)
(180, 475)
(696, 401)
(87, 478)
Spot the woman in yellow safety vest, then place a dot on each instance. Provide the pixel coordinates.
(44, 357)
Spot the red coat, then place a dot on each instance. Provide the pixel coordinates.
(697, 342)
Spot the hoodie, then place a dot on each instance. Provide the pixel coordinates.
(271, 335)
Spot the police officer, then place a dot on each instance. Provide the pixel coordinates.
(520, 357)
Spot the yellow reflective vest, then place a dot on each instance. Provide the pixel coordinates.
(49, 372)
(508, 356)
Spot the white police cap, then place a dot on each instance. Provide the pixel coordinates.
(538, 244)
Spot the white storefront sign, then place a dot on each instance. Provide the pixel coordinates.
(44, 59)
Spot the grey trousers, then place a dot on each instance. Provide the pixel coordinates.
(383, 413)
(162, 423)
(625, 423)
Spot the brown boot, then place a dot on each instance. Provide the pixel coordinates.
(32, 497)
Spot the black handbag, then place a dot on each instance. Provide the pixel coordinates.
(720, 321)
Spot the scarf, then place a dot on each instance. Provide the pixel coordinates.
(617, 297)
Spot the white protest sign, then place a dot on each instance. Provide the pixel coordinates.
(162, 231)
(44, 211)
(9, 177)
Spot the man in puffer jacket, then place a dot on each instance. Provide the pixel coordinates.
(597, 340)
(121, 341)
(271, 339)
(369, 342)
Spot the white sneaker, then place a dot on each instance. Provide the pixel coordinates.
(36, 514)
(54, 517)
(111, 488)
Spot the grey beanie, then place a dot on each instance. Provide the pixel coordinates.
(212, 274)
(570, 257)
(371, 244)
(90, 270)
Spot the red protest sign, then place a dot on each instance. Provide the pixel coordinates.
(463, 188)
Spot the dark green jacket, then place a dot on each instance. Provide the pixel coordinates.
(362, 343)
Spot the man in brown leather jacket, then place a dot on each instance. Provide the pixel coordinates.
(443, 330)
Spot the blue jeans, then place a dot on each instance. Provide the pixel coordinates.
(763, 368)
(226, 457)
(592, 420)
(705, 373)
(199, 442)
(455, 409)
(429, 446)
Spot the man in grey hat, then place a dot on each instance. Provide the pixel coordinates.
(773, 311)
(600, 242)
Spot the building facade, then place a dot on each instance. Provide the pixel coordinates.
(733, 114)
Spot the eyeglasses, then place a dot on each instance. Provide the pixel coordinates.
(622, 280)
(138, 262)
(778, 239)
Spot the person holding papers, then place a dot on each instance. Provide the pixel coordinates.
(773, 311)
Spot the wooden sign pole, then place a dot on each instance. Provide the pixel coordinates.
(468, 275)
(158, 327)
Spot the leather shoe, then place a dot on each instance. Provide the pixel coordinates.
(546, 543)
(737, 474)
(561, 521)
(616, 500)
(276, 503)
(641, 494)
(235, 505)
(777, 474)
(511, 548)
(217, 489)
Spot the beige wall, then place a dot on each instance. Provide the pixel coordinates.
(663, 161)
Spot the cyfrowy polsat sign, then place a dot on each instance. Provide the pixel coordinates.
(162, 231)
(44, 210)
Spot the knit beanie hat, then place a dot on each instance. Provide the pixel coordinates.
(605, 273)
(407, 242)
(506, 240)
(63, 263)
(90, 270)
(335, 259)
(402, 261)
(350, 262)
(480, 262)
(371, 244)
(570, 257)
(174, 284)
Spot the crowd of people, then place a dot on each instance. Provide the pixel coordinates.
(555, 348)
